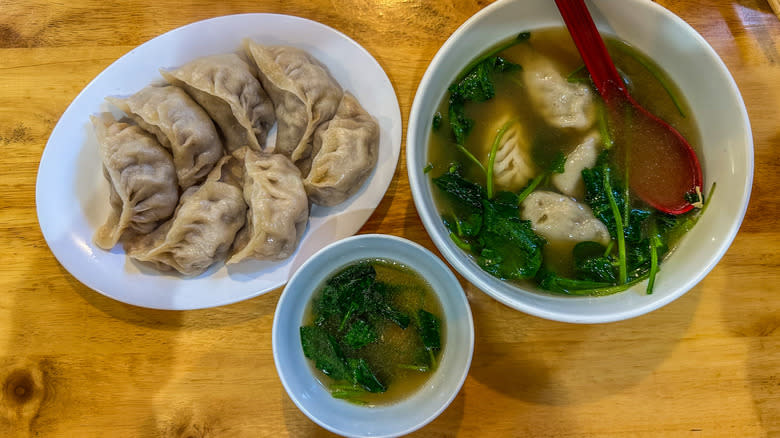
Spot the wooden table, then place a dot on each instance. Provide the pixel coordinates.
(77, 364)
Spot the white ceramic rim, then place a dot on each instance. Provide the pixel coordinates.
(66, 213)
(431, 221)
(300, 274)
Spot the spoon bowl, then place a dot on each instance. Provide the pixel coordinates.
(663, 169)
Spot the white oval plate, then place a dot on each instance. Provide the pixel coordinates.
(72, 195)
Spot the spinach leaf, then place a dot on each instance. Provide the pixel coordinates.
(436, 121)
(475, 86)
(460, 124)
(510, 248)
(323, 349)
(430, 330)
(360, 334)
(364, 377)
(597, 198)
(635, 229)
(592, 264)
(342, 293)
(466, 198)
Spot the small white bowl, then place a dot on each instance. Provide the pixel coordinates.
(726, 158)
(348, 419)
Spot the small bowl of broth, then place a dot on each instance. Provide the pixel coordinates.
(519, 170)
(373, 336)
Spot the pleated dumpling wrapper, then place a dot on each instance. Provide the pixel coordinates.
(278, 208)
(203, 227)
(344, 154)
(141, 178)
(303, 91)
(179, 124)
(226, 88)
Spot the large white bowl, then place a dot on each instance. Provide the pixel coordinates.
(399, 418)
(726, 158)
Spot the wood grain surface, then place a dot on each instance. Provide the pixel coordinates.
(74, 363)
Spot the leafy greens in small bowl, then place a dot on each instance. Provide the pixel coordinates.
(373, 336)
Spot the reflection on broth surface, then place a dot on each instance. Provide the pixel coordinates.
(525, 119)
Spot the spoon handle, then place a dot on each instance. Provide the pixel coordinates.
(591, 47)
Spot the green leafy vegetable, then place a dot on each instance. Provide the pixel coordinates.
(323, 349)
(553, 282)
(460, 124)
(475, 86)
(436, 121)
(592, 264)
(505, 245)
(352, 311)
(363, 376)
(467, 197)
(360, 334)
(430, 330)
(510, 248)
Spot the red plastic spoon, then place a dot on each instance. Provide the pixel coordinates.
(662, 166)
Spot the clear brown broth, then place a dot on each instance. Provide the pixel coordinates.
(511, 96)
(396, 345)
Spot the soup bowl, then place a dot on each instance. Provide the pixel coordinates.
(421, 406)
(726, 156)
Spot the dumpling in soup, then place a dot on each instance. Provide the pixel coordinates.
(180, 125)
(303, 91)
(344, 154)
(583, 156)
(141, 177)
(203, 227)
(513, 167)
(560, 103)
(278, 208)
(559, 218)
(226, 88)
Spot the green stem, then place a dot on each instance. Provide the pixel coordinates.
(470, 156)
(573, 78)
(603, 291)
(419, 368)
(606, 137)
(609, 248)
(654, 243)
(492, 156)
(460, 242)
(619, 227)
(433, 359)
(530, 188)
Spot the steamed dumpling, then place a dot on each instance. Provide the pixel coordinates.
(344, 154)
(513, 167)
(278, 207)
(226, 88)
(141, 177)
(203, 227)
(584, 156)
(559, 218)
(303, 92)
(561, 103)
(179, 124)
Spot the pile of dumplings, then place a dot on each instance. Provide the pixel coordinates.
(192, 181)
